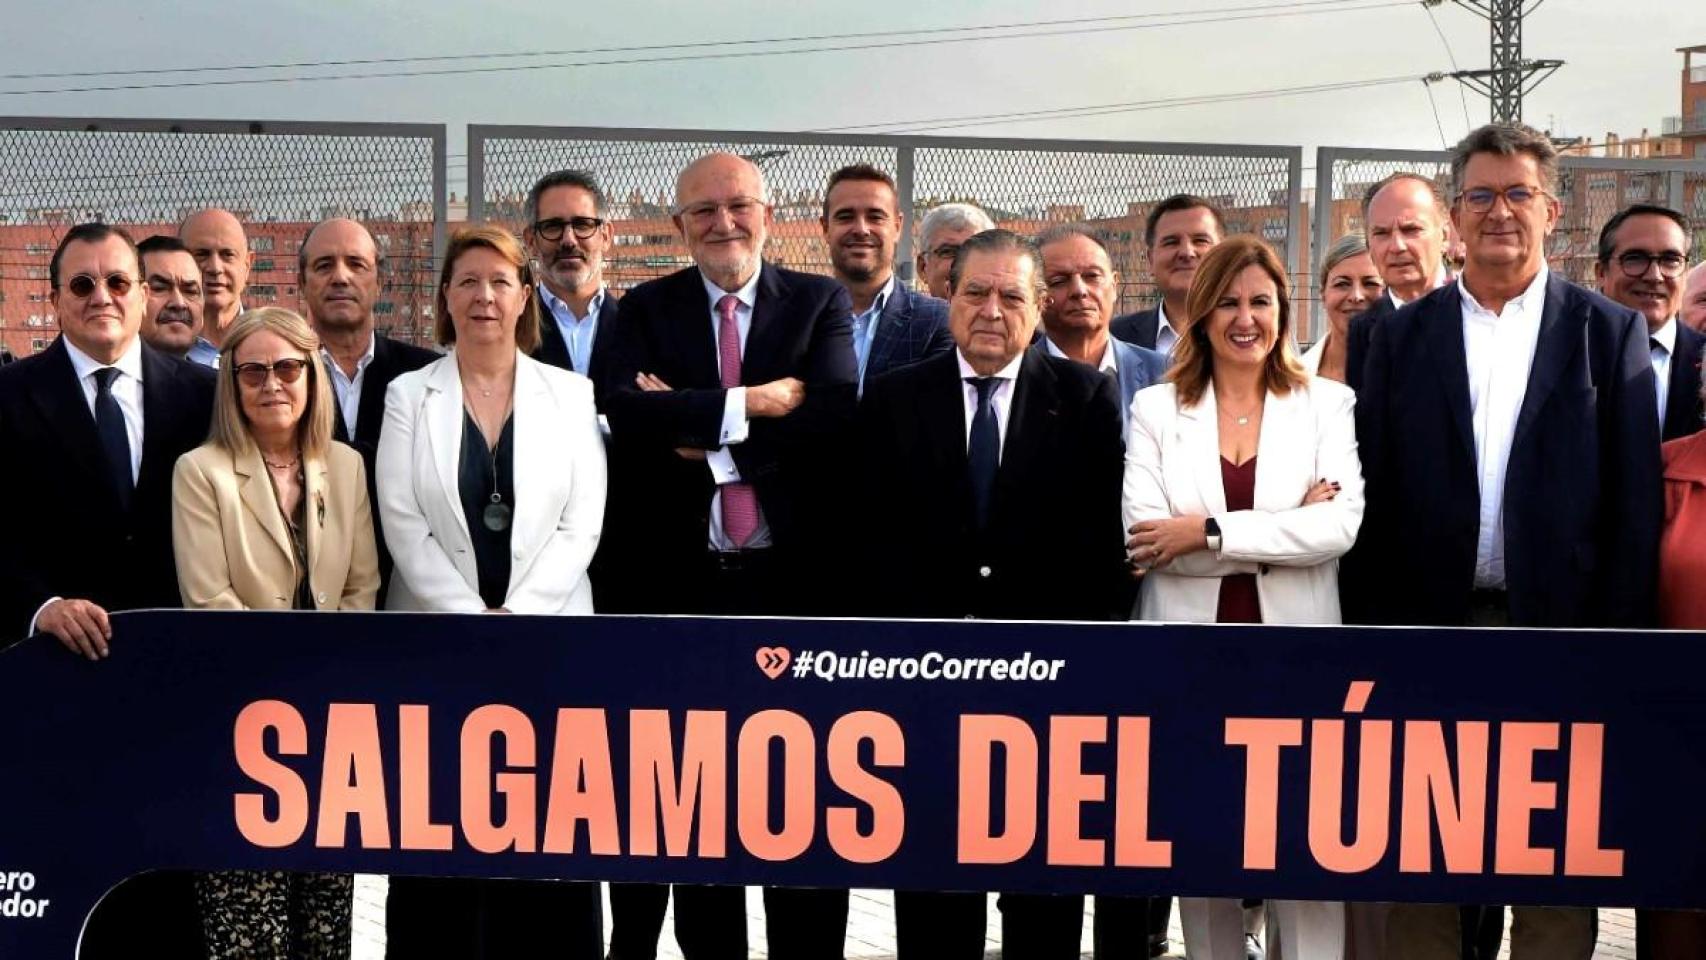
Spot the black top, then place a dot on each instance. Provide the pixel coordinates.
(296, 524)
(477, 477)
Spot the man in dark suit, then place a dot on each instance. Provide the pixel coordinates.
(730, 401)
(569, 236)
(1405, 221)
(862, 224)
(992, 490)
(1177, 234)
(338, 272)
(1509, 442)
(1643, 254)
(94, 425)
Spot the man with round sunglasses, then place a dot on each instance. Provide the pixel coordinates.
(568, 235)
(93, 426)
(1643, 254)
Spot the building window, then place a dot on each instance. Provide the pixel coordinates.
(36, 249)
(263, 292)
(37, 344)
(265, 265)
(261, 244)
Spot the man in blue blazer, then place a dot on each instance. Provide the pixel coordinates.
(1177, 234)
(862, 224)
(1510, 447)
(1643, 254)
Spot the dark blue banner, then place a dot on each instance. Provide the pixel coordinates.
(1528, 767)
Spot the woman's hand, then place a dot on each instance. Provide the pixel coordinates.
(1156, 543)
(1323, 491)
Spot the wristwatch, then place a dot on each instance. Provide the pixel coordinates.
(1211, 531)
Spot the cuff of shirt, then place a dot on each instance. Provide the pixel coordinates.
(735, 423)
(39, 609)
(722, 464)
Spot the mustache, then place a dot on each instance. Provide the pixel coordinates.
(175, 315)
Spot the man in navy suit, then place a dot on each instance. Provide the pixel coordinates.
(730, 401)
(569, 236)
(1509, 439)
(1405, 221)
(1643, 254)
(1177, 234)
(862, 224)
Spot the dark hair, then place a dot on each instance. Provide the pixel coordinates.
(1506, 140)
(1175, 203)
(858, 171)
(1066, 231)
(302, 249)
(563, 178)
(996, 241)
(160, 243)
(1608, 233)
(1387, 181)
(503, 243)
(1193, 358)
(88, 233)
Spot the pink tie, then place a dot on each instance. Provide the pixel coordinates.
(740, 504)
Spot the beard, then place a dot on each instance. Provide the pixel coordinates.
(570, 273)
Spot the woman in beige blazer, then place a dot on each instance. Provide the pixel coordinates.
(270, 514)
(1242, 490)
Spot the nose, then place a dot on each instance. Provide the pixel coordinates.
(178, 298)
(990, 308)
(723, 219)
(101, 296)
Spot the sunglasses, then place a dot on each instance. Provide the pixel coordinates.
(83, 284)
(254, 375)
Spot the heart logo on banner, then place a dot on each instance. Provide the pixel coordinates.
(773, 660)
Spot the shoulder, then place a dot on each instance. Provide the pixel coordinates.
(672, 286)
(811, 287)
(167, 369)
(1069, 376)
(343, 460)
(407, 355)
(565, 385)
(412, 384)
(1600, 308)
(18, 378)
(1143, 356)
(1325, 394)
(1157, 403)
(205, 463)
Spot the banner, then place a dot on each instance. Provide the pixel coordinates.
(1499, 766)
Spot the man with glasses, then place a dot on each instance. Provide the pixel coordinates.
(172, 320)
(939, 238)
(92, 427)
(1643, 253)
(569, 235)
(1510, 448)
(1178, 233)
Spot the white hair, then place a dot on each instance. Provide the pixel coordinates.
(954, 216)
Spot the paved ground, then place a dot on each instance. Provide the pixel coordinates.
(870, 927)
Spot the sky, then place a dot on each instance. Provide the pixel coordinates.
(1622, 73)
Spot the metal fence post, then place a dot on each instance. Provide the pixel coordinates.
(476, 174)
(903, 180)
(1322, 238)
(440, 195)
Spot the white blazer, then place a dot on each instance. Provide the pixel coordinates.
(1172, 469)
(1312, 359)
(559, 492)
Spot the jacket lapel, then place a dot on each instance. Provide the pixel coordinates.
(1443, 337)
(530, 463)
(255, 488)
(1030, 422)
(1682, 401)
(370, 407)
(1558, 343)
(697, 347)
(1199, 438)
(1281, 458)
(891, 326)
(768, 305)
(1131, 373)
(315, 479)
(604, 338)
(443, 415)
(59, 397)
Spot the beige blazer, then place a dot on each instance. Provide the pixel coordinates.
(1173, 469)
(559, 492)
(233, 548)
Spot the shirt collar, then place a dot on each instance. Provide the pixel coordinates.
(558, 307)
(880, 302)
(1009, 372)
(360, 365)
(1666, 336)
(747, 294)
(1441, 278)
(1108, 364)
(129, 363)
(1161, 321)
(1536, 288)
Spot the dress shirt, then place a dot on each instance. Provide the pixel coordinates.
(1165, 336)
(1002, 400)
(1498, 352)
(735, 423)
(203, 352)
(127, 390)
(1662, 343)
(578, 332)
(865, 328)
(347, 388)
(1440, 279)
(1108, 365)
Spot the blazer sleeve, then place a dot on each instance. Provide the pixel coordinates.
(198, 541)
(1307, 536)
(1144, 493)
(560, 565)
(361, 585)
(830, 373)
(679, 417)
(417, 552)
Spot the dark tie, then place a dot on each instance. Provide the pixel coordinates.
(983, 450)
(115, 442)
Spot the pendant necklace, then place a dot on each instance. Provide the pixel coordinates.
(496, 516)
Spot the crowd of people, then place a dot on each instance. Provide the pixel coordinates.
(1489, 445)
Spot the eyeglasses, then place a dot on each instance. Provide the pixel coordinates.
(945, 251)
(1481, 199)
(1635, 263)
(83, 284)
(739, 209)
(254, 375)
(582, 227)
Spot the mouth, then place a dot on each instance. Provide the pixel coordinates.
(1244, 341)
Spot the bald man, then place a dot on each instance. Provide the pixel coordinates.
(1694, 298)
(215, 238)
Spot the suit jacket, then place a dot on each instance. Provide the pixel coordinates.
(234, 550)
(559, 492)
(801, 327)
(68, 535)
(1051, 549)
(555, 351)
(1358, 335)
(1140, 328)
(1138, 367)
(1682, 405)
(1581, 505)
(1173, 469)
(913, 326)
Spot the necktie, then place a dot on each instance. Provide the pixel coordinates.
(983, 450)
(115, 442)
(1659, 355)
(740, 503)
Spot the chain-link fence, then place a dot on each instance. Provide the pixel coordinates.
(278, 178)
(1023, 184)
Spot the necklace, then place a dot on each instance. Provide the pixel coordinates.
(1244, 420)
(282, 466)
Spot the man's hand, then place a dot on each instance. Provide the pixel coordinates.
(80, 625)
(778, 398)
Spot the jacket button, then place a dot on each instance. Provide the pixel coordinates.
(984, 572)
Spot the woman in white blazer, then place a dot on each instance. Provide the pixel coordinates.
(1349, 283)
(491, 482)
(1242, 490)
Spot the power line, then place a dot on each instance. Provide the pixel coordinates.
(1452, 57)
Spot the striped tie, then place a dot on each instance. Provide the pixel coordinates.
(740, 503)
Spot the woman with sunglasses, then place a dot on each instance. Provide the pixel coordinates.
(271, 514)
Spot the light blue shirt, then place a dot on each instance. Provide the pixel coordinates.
(204, 353)
(865, 328)
(578, 332)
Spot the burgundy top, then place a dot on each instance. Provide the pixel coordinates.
(1238, 600)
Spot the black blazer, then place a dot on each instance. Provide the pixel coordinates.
(1140, 328)
(67, 535)
(1358, 336)
(1582, 503)
(660, 501)
(913, 326)
(554, 351)
(1052, 549)
(1682, 406)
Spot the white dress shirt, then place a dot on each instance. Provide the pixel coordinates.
(579, 333)
(735, 424)
(1498, 351)
(127, 390)
(1109, 363)
(1165, 336)
(347, 388)
(865, 328)
(1002, 400)
(1662, 344)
